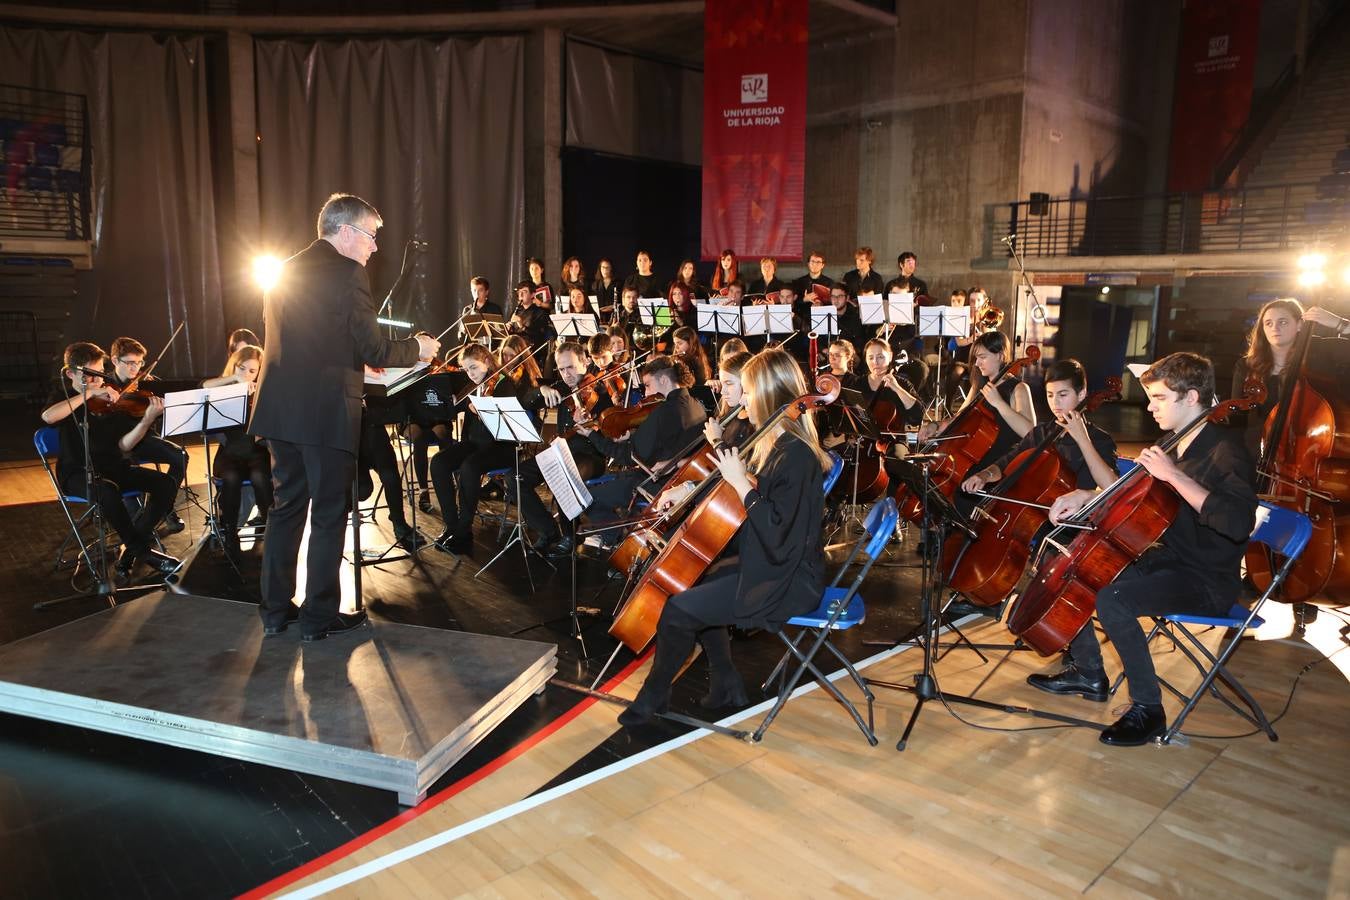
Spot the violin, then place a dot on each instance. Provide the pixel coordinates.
(617, 420)
(702, 536)
(1303, 466)
(966, 440)
(985, 568)
(133, 400)
(1114, 529)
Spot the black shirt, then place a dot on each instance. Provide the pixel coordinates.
(474, 431)
(104, 434)
(911, 416)
(804, 285)
(645, 284)
(1068, 450)
(605, 295)
(672, 426)
(1007, 438)
(862, 284)
(772, 286)
(1210, 543)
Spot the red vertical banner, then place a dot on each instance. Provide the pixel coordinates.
(754, 127)
(1216, 66)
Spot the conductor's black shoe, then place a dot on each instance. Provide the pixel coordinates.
(292, 613)
(161, 562)
(1072, 680)
(342, 624)
(638, 713)
(172, 524)
(1140, 724)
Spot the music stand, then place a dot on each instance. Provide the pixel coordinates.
(482, 328)
(825, 320)
(203, 411)
(895, 308)
(575, 325)
(564, 480)
(507, 421)
(938, 515)
(943, 322)
(766, 320)
(717, 321)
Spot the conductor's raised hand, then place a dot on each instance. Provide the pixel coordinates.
(427, 346)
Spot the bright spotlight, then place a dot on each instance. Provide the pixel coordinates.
(1311, 261)
(1311, 278)
(266, 271)
(1106, 289)
(1345, 275)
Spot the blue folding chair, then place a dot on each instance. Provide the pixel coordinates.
(1286, 532)
(47, 442)
(840, 608)
(1124, 466)
(836, 469)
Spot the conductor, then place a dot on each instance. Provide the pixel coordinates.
(320, 328)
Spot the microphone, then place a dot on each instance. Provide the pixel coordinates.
(1008, 239)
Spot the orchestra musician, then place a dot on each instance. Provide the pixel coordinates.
(768, 281)
(682, 312)
(863, 279)
(606, 287)
(480, 294)
(669, 428)
(597, 348)
(128, 362)
(457, 471)
(579, 304)
(688, 279)
(1011, 399)
(240, 456)
(881, 384)
(689, 350)
(1194, 568)
(727, 272)
(534, 268)
(111, 439)
(815, 274)
(644, 279)
(573, 276)
(778, 569)
(241, 337)
(573, 369)
(531, 317)
(626, 315)
(848, 321)
(1269, 349)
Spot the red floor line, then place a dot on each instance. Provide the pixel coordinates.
(379, 831)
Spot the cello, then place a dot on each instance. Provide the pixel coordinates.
(985, 568)
(1305, 465)
(698, 540)
(1115, 528)
(968, 437)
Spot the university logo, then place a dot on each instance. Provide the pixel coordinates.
(1218, 46)
(755, 88)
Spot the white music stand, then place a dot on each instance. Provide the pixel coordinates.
(888, 311)
(825, 320)
(943, 322)
(717, 321)
(575, 325)
(202, 411)
(507, 421)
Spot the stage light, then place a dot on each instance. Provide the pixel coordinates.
(1312, 261)
(1106, 289)
(266, 271)
(1311, 278)
(1038, 313)
(1345, 275)
(393, 323)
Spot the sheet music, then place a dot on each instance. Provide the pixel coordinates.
(506, 419)
(944, 321)
(825, 320)
(389, 376)
(204, 409)
(900, 308)
(770, 318)
(574, 324)
(563, 478)
(654, 311)
(716, 319)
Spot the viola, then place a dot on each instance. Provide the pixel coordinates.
(966, 440)
(617, 420)
(702, 536)
(985, 568)
(1305, 465)
(1122, 522)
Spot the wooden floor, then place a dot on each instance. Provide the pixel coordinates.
(814, 810)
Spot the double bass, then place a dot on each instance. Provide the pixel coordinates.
(968, 437)
(1305, 466)
(1118, 525)
(985, 568)
(702, 536)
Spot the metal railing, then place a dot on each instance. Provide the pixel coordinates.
(1270, 217)
(45, 163)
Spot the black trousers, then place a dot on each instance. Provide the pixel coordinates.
(158, 451)
(469, 462)
(106, 490)
(1150, 587)
(422, 437)
(608, 498)
(536, 514)
(699, 615)
(377, 455)
(313, 481)
(233, 471)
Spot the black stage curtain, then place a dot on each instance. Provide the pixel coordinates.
(430, 131)
(153, 213)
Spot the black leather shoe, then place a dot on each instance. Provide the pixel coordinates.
(638, 713)
(343, 624)
(424, 502)
(1072, 680)
(126, 563)
(161, 562)
(560, 548)
(172, 524)
(292, 613)
(410, 539)
(1140, 724)
(960, 608)
(452, 542)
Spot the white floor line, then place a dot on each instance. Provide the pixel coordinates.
(450, 835)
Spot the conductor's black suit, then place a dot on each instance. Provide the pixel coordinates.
(320, 328)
